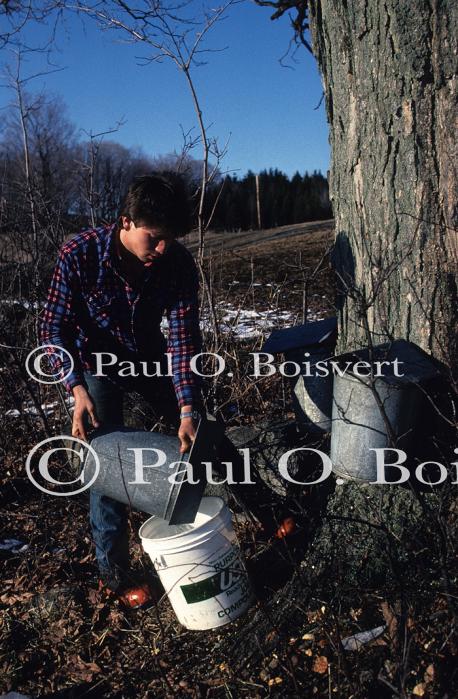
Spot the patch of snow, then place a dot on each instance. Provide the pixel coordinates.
(47, 408)
(13, 545)
(35, 306)
(247, 323)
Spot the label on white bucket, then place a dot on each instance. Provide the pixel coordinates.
(229, 579)
(208, 593)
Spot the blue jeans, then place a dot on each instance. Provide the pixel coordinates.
(108, 517)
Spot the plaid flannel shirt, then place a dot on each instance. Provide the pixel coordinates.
(90, 308)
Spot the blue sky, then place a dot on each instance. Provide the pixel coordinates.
(267, 111)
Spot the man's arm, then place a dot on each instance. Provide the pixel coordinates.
(58, 327)
(184, 342)
(58, 322)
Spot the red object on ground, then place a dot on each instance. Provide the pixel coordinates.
(287, 527)
(132, 598)
(136, 597)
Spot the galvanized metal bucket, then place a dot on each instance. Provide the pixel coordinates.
(306, 345)
(147, 471)
(312, 395)
(362, 407)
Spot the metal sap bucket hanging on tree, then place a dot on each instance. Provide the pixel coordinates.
(378, 413)
(306, 345)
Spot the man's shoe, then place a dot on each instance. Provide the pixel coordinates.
(111, 581)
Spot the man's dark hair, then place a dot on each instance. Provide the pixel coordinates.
(159, 200)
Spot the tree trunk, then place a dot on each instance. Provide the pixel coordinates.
(389, 75)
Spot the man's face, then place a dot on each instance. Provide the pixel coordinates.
(145, 242)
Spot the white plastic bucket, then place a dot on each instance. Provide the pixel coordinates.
(200, 566)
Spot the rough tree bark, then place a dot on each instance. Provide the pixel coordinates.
(389, 76)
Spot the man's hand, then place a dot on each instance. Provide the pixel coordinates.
(83, 404)
(186, 434)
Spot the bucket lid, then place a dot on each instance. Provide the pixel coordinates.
(413, 365)
(176, 500)
(320, 332)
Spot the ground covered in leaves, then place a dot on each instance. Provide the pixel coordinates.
(358, 602)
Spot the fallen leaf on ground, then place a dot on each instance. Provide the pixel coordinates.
(320, 664)
(8, 598)
(275, 680)
(271, 636)
(391, 621)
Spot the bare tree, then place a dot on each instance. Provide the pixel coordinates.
(169, 33)
(105, 170)
(15, 15)
(389, 73)
(183, 163)
(38, 155)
